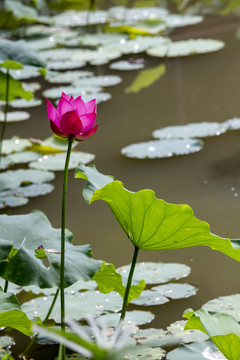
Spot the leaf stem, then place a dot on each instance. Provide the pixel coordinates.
(6, 286)
(64, 193)
(32, 342)
(129, 282)
(5, 112)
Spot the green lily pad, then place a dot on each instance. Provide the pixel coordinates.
(65, 65)
(137, 13)
(19, 51)
(186, 48)
(21, 103)
(55, 93)
(140, 43)
(15, 144)
(146, 78)
(225, 304)
(201, 350)
(197, 130)
(56, 162)
(12, 201)
(42, 43)
(144, 353)
(126, 65)
(67, 76)
(101, 39)
(33, 190)
(158, 149)
(26, 233)
(95, 81)
(157, 273)
(15, 116)
(13, 179)
(33, 86)
(233, 124)
(100, 97)
(28, 72)
(80, 18)
(5, 345)
(10, 64)
(136, 317)
(92, 302)
(23, 157)
(178, 20)
(161, 294)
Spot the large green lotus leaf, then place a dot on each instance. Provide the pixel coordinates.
(57, 162)
(161, 294)
(8, 301)
(126, 65)
(14, 144)
(26, 233)
(17, 319)
(67, 76)
(14, 178)
(96, 180)
(19, 51)
(109, 280)
(198, 130)
(186, 48)
(95, 81)
(15, 88)
(157, 273)
(158, 149)
(151, 223)
(146, 78)
(21, 103)
(15, 116)
(229, 304)
(201, 350)
(222, 329)
(136, 317)
(144, 353)
(78, 305)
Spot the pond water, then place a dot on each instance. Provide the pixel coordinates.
(193, 89)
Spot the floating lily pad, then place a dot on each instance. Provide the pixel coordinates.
(157, 273)
(15, 116)
(101, 39)
(161, 294)
(177, 20)
(137, 14)
(140, 44)
(22, 103)
(186, 48)
(198, 351)
(132, 317)
(195, 130)
(13, 179)
(57, 162)
(80, 18)
(71, 290)
(23, 157)
(126, 65)
(12, 201)
(65, 65)
(92, 302)
(144, 353)
(225, 304)
(38, 44)
(162, 148)
(233, 124)
(95, 81)
(33, 87)
(67, 76)
(15, 144)
(53, 144)
(100, 97)
(5, 345)
(55, 93)
(28, 72)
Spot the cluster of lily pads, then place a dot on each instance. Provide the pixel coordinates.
(30, 246)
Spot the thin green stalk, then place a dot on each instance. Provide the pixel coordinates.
(64, 193)
(129, 282)
(6, 286)
(32, 342)
(5, 112)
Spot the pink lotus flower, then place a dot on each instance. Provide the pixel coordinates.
(73, 119)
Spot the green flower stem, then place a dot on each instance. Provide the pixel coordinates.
(64, 193)
(5, 112)
(6, 286)
(32, 342)
(129, 282)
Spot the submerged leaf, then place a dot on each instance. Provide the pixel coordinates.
(146, 78)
